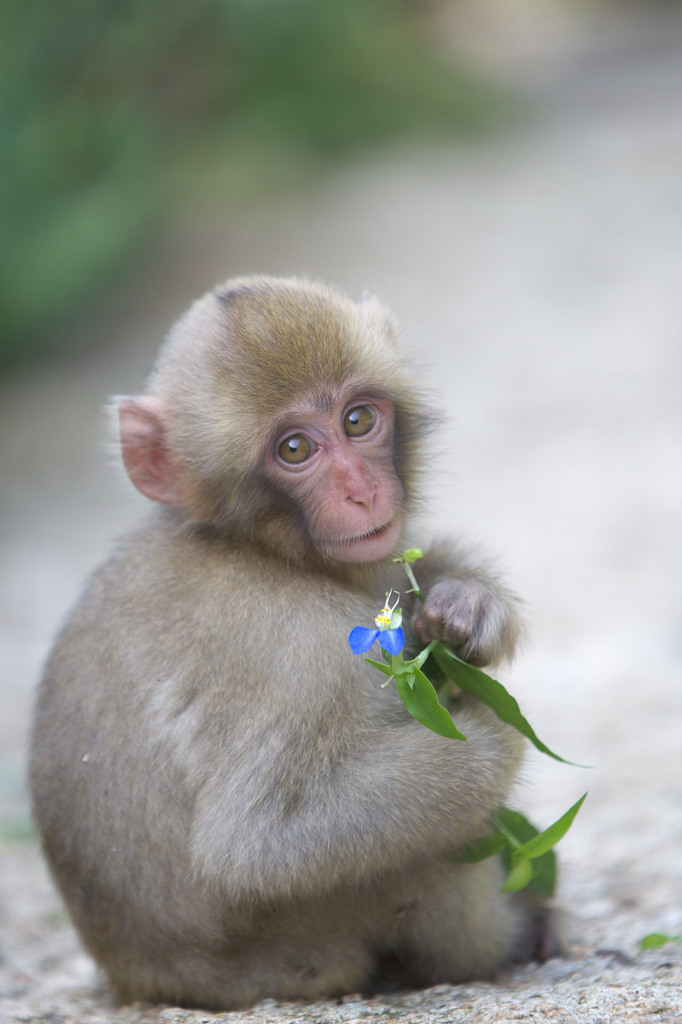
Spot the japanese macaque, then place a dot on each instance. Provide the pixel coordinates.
(232, 805)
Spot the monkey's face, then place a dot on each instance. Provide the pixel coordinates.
(334, 458)
(331, 466)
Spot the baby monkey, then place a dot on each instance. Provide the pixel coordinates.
(231, 804)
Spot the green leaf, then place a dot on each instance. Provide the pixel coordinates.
(411, 555)
(655, 940)
(479, 849)
(422, 703)
(526, 853)
(544, 841)
(512, 825)
(518, 830)
(544, 874)
(472, 680)
(382, 668)
(515, 825)
(520, 875)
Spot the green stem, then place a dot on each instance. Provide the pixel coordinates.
(423, 655)
(415, 586)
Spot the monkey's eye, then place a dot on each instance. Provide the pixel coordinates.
(295, 449)
(358, 422)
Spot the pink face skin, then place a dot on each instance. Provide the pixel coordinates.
(338, 467)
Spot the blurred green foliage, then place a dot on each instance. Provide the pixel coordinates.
(114, 111)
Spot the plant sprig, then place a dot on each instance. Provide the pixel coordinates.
(656, 940)
(527, 854)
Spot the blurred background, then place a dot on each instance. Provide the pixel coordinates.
(116, 118)
(507, 176)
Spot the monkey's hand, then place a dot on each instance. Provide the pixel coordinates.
(475, 616)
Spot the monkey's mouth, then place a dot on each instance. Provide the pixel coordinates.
(377, 532)
(368, 547)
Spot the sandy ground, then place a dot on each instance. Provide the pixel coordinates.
(538, 279)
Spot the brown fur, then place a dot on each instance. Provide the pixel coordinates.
(231, 804)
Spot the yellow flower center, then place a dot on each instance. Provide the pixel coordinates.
(383, 619)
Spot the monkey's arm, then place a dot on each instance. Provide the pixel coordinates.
(349, 807)
(466, 606)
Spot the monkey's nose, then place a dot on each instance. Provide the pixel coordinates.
(363, 495)
(356, 483)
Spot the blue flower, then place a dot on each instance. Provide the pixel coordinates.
(391, 640)
(389, 631)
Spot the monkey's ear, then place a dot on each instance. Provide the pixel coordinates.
(146, 456)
